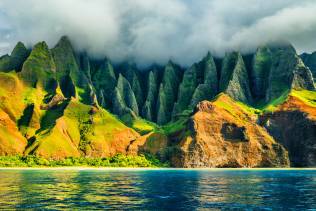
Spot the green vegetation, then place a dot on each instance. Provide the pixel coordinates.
(308, 97)
(15, 60)
(103, 78)
(177, 125)
(273, 104)
(142, 126)
(116, 161)
(39, 67)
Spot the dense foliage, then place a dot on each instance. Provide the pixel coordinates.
(116, 161)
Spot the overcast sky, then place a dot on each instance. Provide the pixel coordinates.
(150, 31)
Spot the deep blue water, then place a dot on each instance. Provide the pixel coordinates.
(158, 189)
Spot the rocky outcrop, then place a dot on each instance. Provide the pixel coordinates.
(152, 143)
(293, 125)
(222, 134)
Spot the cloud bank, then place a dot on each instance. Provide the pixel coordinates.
(154, 31)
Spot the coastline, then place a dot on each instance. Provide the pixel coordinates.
(82, 168)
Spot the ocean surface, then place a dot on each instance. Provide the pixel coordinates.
(157, 189)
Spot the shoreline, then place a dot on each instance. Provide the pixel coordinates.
(87, 168)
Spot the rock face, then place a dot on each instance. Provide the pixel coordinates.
(293, 125)
(222, 134)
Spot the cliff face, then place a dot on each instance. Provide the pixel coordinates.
(223, 134)
(293, 125)
(58, 103)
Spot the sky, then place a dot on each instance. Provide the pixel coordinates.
(155, 31)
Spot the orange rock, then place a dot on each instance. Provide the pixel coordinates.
(222, 134)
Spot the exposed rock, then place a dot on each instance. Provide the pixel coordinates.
(222, 134)
(55, 101)
(293, 125)
(152, 143)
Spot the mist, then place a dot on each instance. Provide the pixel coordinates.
(154, 31)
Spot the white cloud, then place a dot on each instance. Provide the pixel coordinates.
(155, 31)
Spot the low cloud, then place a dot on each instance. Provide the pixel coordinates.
(154, 31)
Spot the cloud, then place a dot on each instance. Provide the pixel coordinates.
(149, 31)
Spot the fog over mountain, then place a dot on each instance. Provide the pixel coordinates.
(154, 31)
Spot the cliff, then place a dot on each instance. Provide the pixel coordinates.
(236, 111)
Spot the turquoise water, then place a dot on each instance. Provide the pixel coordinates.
(158, 189)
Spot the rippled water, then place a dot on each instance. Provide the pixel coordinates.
(157, 189)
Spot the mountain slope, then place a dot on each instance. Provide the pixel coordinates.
(219, 112)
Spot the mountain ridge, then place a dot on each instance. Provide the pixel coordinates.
(67, 96)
